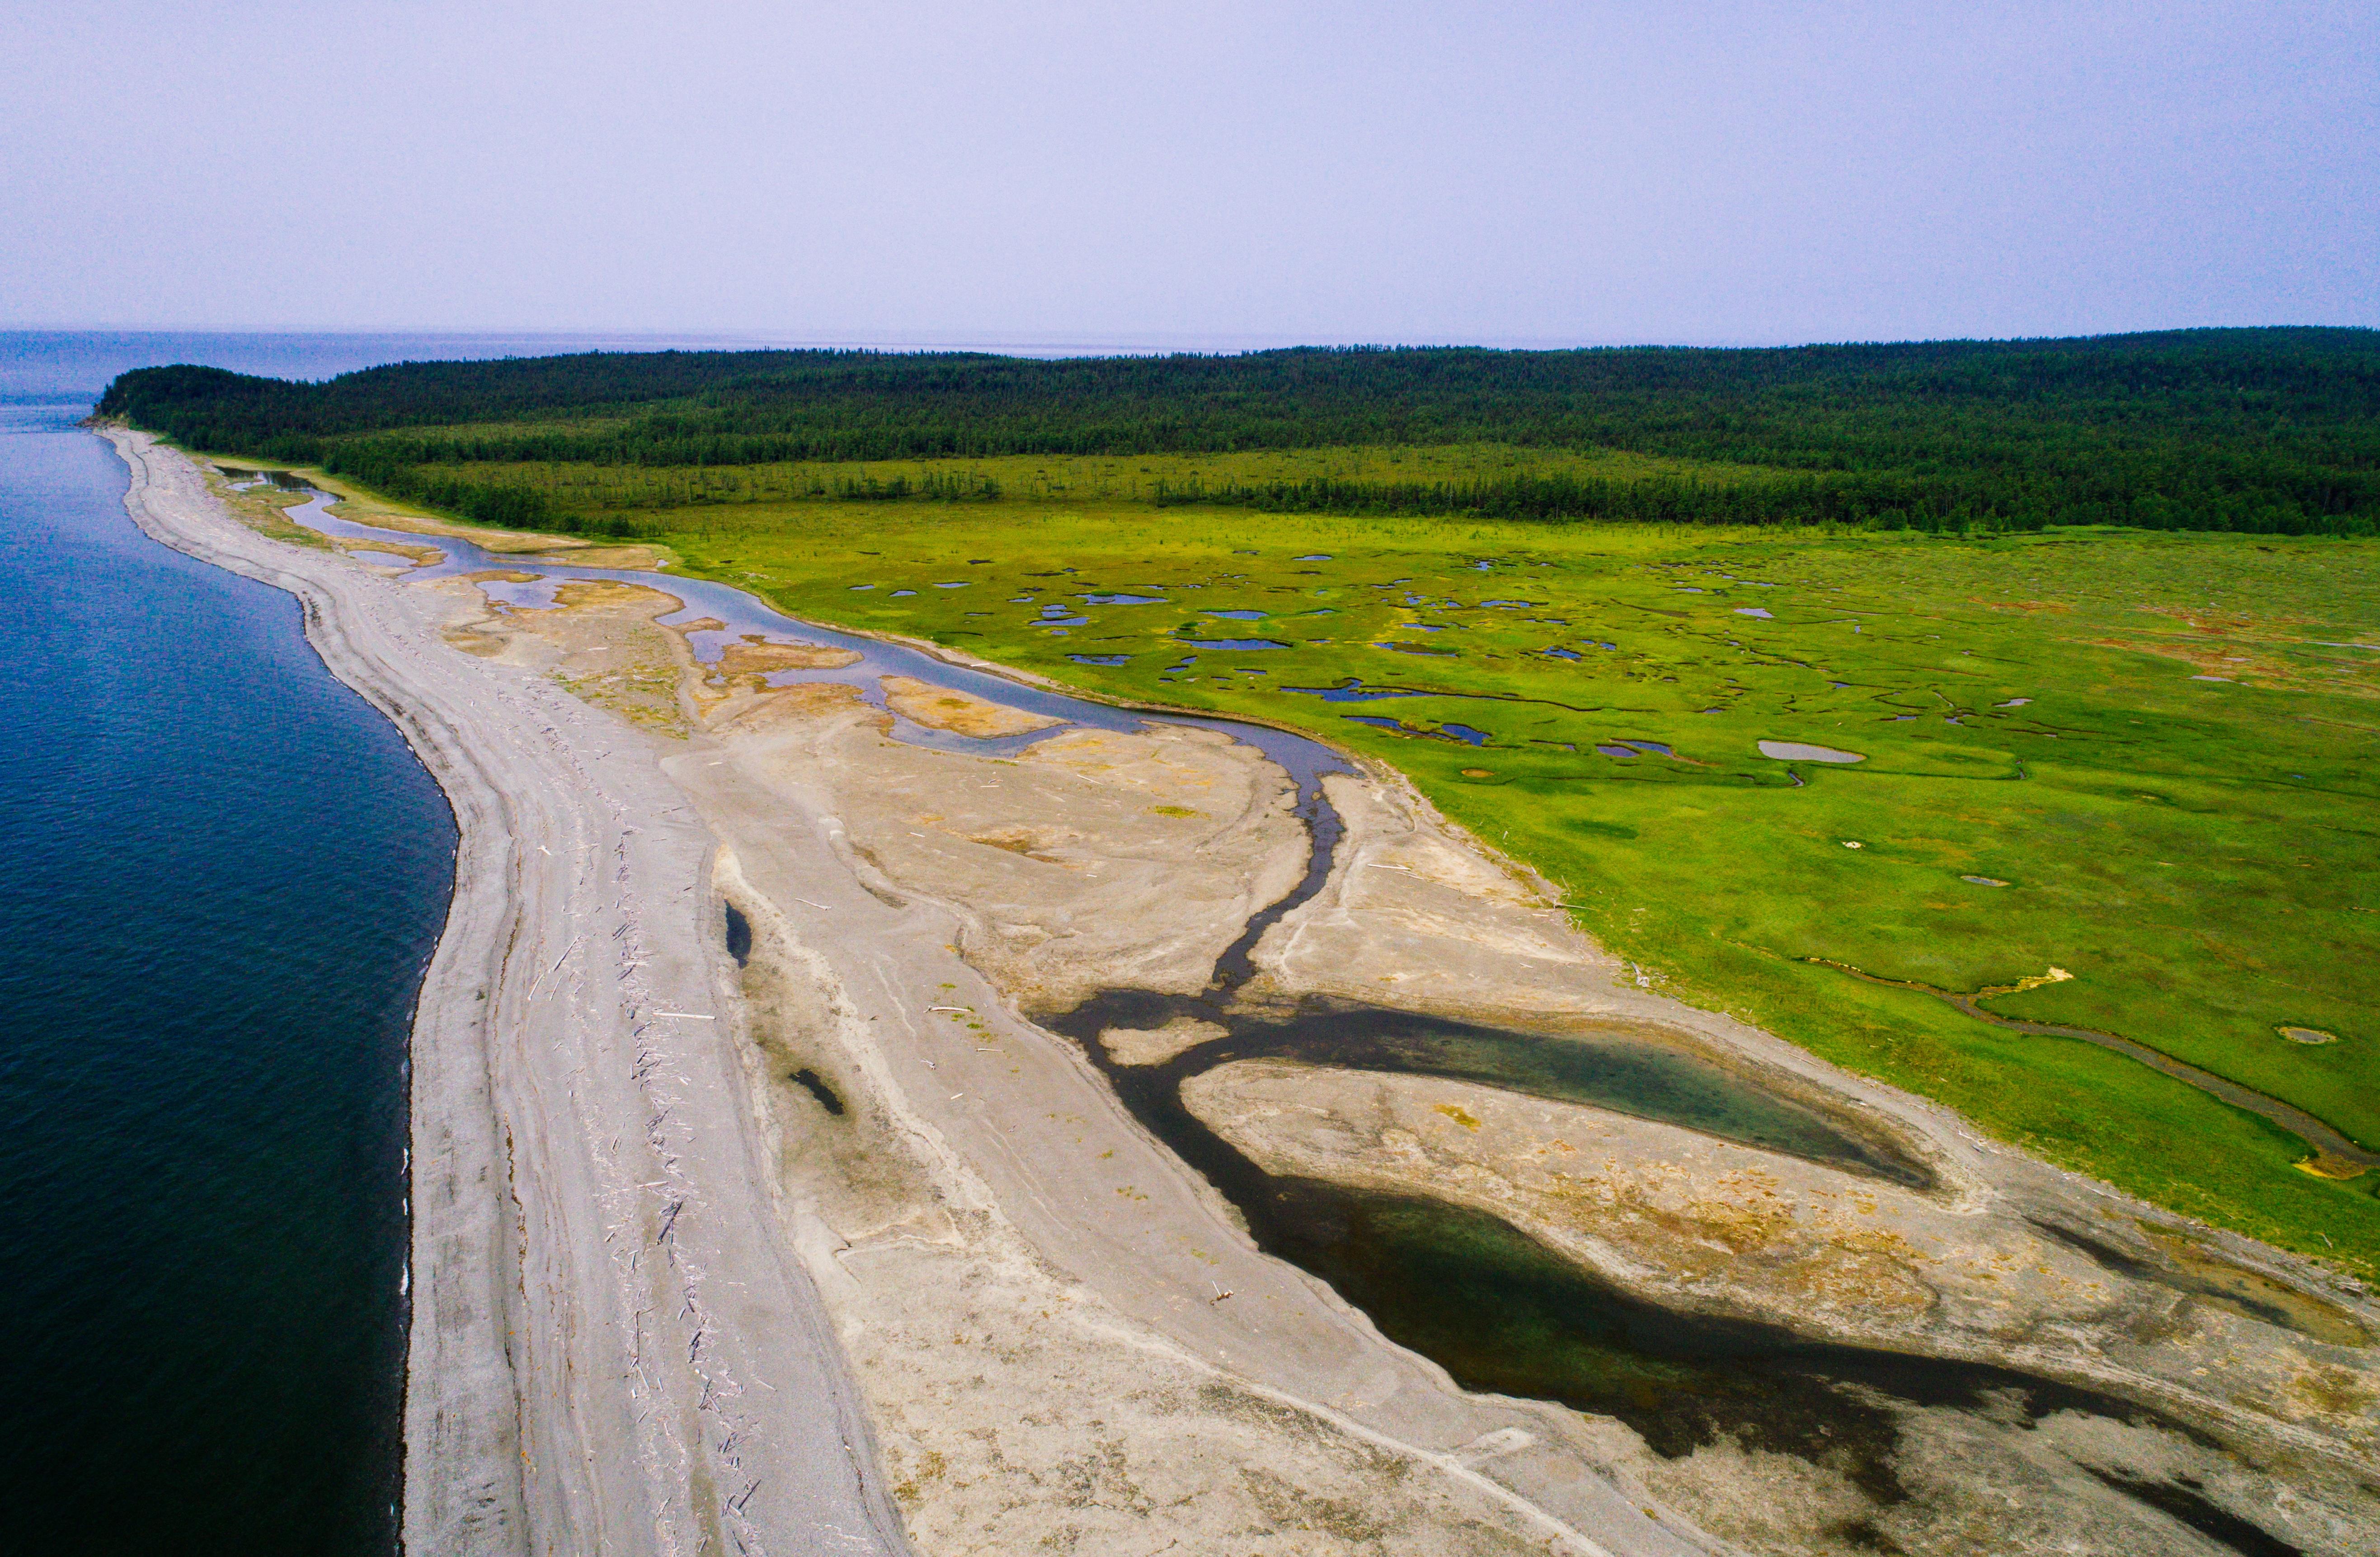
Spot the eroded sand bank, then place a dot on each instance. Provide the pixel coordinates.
(1062, 1337)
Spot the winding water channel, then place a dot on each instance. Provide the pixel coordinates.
(1499, 1310)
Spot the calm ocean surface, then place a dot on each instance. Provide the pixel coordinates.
(225, 874)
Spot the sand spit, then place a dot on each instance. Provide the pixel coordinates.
(1062, 1337)
(610, 1351)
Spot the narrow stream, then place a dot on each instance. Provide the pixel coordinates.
(1499, 1310)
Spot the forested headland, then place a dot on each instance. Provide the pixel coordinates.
(2273, 431)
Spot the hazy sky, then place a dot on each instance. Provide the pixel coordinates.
(1213, 172)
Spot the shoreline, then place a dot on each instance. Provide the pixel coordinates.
(449, 1115)
(508, 1447)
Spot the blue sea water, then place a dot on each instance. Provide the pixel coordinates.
(225, 874)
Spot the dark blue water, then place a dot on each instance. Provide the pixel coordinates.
(226, 873)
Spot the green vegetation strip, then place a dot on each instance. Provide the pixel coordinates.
(2267, 430)
(2334, 1156)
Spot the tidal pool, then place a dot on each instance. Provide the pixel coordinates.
(1462, 732)
(1802, 751)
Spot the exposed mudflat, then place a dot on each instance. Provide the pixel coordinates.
(1067, 1339)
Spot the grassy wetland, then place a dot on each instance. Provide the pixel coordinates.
(2120, 779)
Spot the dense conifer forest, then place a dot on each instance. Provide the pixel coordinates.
(2264, 430)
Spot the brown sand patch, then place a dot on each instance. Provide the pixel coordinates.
(2253, 1295)
(1137, 1045)
(1028, 842)
(610, 595)
(782, 707)
(420, 556)
(598, 641)
(958, 712)
(754, 654)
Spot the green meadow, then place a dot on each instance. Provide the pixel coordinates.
(2161, 744)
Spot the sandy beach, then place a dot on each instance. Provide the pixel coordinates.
(837, 1249)
(604, 1354)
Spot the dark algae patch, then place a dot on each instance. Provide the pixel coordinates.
(813, 1084)
(1503, 1313)
(2168, 1496)
(739, 935)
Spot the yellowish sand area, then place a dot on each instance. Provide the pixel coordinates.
(959, 713)
(599, 639)
(602, 641)
(1127, 1045)
(752, 656)
(374, 550)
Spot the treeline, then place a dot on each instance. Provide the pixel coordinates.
(525, 506)
(504, 504)
(1891, 502)
(2266, 429)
